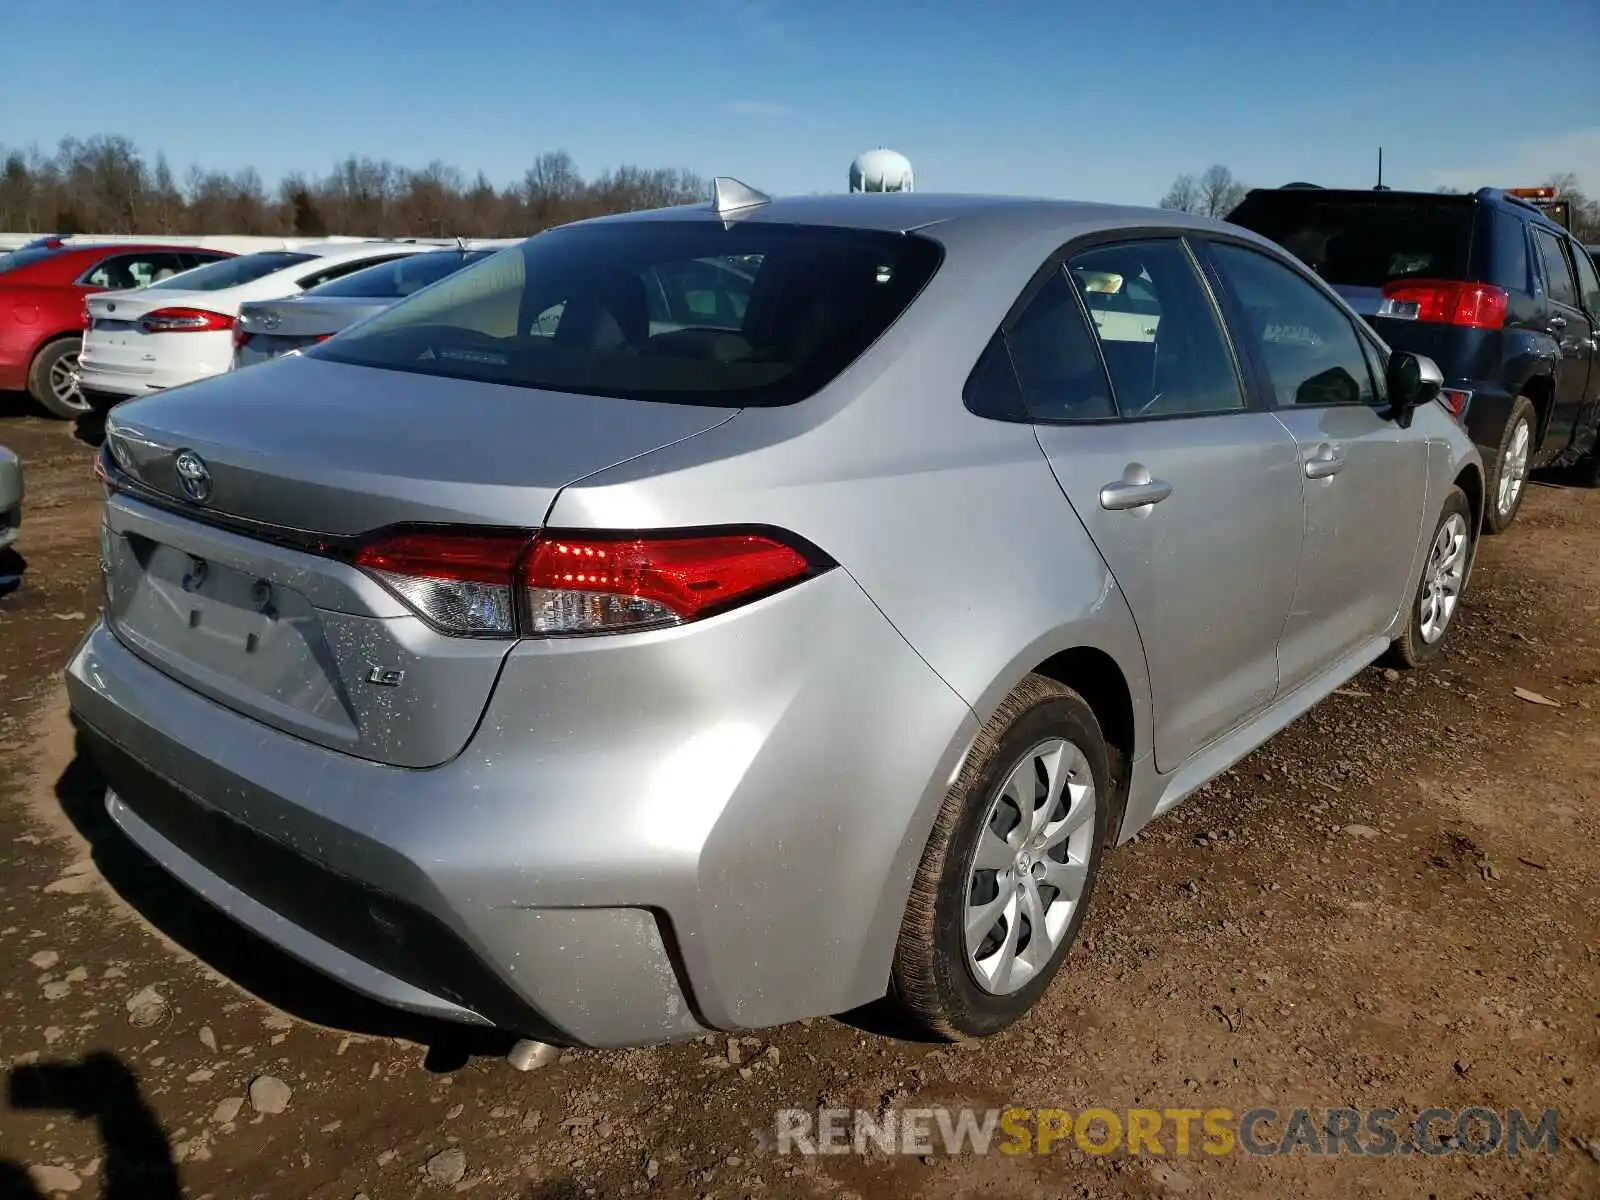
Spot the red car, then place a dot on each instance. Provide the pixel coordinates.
(42, 287)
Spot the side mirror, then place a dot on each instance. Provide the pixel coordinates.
(1413, 380)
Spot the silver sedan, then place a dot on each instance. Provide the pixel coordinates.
(267, 329)
(11, 493)
(702, 619)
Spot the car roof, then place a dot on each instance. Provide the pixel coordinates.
(908, 212)
(133, 248)
(349, 249)
(1494, 197)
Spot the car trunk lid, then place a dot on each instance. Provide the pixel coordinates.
(242, 587)
(270, 328)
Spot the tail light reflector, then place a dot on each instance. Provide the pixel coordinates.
(462, 583)
(1445, 302)
(185, 320)
(1456, 401)
(241, 338)
(548, 585)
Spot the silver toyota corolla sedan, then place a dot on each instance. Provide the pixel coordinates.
(700, 619)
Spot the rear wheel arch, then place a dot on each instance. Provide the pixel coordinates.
(1470, 481)
(1540, 391)
(1097, 677)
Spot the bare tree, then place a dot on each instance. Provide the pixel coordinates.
(1184, 195)
(1585, 211)
(1220, 192)
(103, 185)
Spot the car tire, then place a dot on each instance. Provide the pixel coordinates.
(953, 985)
(45, 378)
(1508, 476)
(1452, 550)
(1588, 470)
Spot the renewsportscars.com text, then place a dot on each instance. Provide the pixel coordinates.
(1376, 1132)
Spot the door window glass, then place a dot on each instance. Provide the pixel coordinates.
(123, 271)
(1055, 359)
(1311, 351)
(1158, 330)
(1588, 283)
(1557, 271)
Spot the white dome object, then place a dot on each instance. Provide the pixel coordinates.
(881, 171)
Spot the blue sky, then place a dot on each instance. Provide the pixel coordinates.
(1104, 101)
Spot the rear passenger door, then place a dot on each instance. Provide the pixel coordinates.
(1191, 495)
(1589, 291)
(1365, 478)
(1570, 327)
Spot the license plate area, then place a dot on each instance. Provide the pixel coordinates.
(234, 636)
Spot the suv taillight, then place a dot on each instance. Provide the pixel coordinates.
(185, 320)
(556, 585)
(1445, 302)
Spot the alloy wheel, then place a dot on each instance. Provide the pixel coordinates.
(63, 383)
(1514, 471)
(1444, 577)
(1030, 867)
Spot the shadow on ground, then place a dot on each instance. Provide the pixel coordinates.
(17, 404)
(229, 948)
(99, 1088)
(12, 567)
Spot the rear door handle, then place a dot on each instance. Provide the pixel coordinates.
(1326, 462)
(1134, 493)
(1558, 323)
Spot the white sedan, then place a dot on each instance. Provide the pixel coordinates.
(180, 329)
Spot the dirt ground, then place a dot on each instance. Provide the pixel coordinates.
(1395, 904)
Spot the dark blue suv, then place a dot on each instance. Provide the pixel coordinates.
(1503, 298)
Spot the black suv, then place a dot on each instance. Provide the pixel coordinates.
(1490, 288)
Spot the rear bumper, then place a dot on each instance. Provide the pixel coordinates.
(700, 829)
(124, 379)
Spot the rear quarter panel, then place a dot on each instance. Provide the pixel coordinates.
(952, 525)
(30, 316)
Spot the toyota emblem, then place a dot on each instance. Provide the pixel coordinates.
(193, 477)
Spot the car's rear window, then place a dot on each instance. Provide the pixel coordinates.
(1359, 242)
(400, 277)
(26, 257)
(688, 312)
(231, 272)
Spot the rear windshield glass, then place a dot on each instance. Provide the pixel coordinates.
(1357, 242)
(231, 272)
(688, 312)
(400, 277)
(26, 258)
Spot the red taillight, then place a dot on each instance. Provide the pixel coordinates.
(185, 320)
(596, 585)
(495, 585)
(1445, 302)
(1456, 401)
(241, 338)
